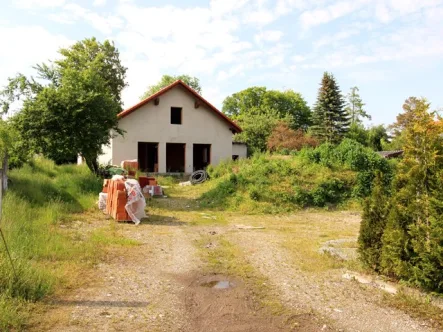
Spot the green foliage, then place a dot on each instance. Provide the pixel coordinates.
(41, 196)
(256, 130)
(330, 120)
(166, 80)
(258, 110)
(257, 101)
(375, 212)
(377, 136)
(75, 112)
(271, 184)
(355, 106)
(413, 238)
(358, 133)
(351, 155)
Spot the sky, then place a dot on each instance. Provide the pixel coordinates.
(389, 49)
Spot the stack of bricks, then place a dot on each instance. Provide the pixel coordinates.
(146, 181)
(131, 166)
(117, 199)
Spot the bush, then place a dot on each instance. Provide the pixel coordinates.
(375, 213)
(272, 184)
(351, 155)
(283, 139)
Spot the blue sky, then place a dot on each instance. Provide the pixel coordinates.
(390, 49)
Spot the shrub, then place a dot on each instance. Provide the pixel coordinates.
(375, 213)
(273, 184)
(285, 139)
(351, 155)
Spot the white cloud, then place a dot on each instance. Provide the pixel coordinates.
(268, 36)
(98, 3)
(260, 17)
(39, 3)
(72, 13)
(234, 71)
(36, 45)
(335, 38)
(298, 58)
(325, 14)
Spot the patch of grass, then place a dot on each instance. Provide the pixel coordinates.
(12, 313)
(271, 185)
(417, 306)
(226, 258)
(110, 237)
(39, 209)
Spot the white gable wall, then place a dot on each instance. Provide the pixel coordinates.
(152, 123)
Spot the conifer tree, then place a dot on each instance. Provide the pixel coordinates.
(413, 238)
(355, 106)
(330, 120)
(375, 210)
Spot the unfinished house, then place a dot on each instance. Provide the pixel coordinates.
(173, 131)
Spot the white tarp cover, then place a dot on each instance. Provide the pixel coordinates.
(136, 203)
(102, 197)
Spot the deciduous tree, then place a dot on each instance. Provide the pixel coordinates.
(75, 112)
(287, 104)
(166, 80)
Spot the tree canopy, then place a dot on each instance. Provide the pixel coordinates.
(287, 104)
(258, 110)
(330, 120)
(166, 80)
(75, 110)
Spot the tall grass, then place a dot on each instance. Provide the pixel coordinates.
(40, 198)
(273, 184)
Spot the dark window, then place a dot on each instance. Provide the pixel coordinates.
(176, 115)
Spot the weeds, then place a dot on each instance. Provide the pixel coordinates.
(416, 306)
(42, 201)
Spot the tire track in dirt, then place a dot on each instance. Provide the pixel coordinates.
(351, 307)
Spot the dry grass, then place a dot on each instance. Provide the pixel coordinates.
(417, 306)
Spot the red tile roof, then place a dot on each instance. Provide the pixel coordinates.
(128, 111)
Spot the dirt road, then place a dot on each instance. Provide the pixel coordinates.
(210, 271)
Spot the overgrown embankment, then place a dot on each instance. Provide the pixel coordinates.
(38, 208)
(328, 176)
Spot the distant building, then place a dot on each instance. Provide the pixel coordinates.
(391, 154)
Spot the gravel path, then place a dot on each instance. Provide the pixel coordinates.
(348, 304)
(138, 288)
(157, 286)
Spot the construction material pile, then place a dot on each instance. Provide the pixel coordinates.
(124, 198)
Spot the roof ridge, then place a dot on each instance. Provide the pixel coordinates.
(169, 87)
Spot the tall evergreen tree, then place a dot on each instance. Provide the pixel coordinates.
(330, 119)
(413, 238)
(355, 106)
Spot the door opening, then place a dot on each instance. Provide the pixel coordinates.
(148, 156)
(175, 157)
(202, 156)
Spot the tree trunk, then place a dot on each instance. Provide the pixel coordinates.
(92, 164)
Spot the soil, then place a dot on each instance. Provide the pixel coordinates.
(163, 285)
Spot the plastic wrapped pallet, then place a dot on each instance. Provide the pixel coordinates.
(136, 203)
